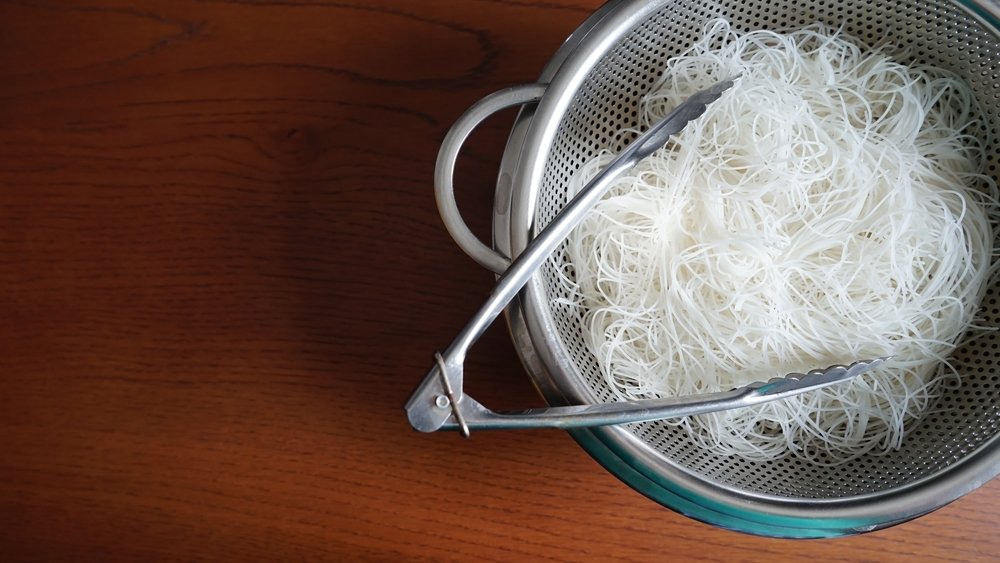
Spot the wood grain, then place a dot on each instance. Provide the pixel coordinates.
(222, 273)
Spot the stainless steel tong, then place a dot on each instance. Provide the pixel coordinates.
(438, 402)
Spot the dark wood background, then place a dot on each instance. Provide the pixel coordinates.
(222, 273)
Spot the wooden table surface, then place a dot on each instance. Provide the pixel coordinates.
(222, 273)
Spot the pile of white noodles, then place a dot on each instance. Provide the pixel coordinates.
(830, 207)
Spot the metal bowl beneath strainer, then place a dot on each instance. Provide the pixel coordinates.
(591, 87)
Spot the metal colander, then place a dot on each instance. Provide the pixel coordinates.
(592, 88)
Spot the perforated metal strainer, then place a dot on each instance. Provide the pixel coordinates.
(588, 92)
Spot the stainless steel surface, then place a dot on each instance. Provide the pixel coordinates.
(447, 374)
(468, 414)
(593, 88)
(444, 170)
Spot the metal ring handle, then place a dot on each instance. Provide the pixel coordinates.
(444, 170)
